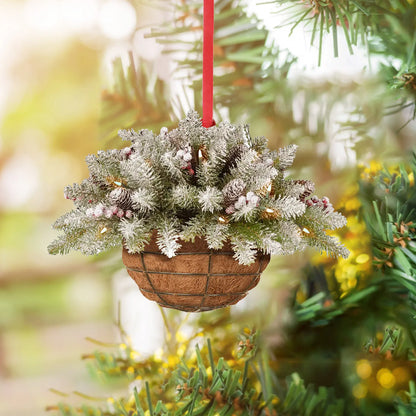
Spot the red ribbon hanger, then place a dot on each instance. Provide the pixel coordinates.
(208, 65)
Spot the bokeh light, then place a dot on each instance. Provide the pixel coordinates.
(386, 378)
(364, 369)
(359, 391)
(117, 19)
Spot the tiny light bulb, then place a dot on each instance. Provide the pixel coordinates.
(269, 210)
(221, 219)
(103, 230)
(305, 230)
(269, 188)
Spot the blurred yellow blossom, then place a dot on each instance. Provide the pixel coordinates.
(386, 378)
(364, 369)
(348, 272)
(359, 390)
(369, 172)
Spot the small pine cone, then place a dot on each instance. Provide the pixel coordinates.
(121, 198)
(232, 159)
(309, 188)
(232, 191)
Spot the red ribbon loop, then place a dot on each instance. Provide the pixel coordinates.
(208, 65)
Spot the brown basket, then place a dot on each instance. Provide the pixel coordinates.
(197, 279)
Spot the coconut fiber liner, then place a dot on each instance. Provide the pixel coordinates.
(197, 279)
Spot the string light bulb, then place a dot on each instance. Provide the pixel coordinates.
(306, 232)
(223, 220)
(115, 182)
(270, 214)
(266, 190)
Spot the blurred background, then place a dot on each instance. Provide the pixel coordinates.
(54, 56)
(61, 73)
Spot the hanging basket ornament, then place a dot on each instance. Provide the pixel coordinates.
(198, 210)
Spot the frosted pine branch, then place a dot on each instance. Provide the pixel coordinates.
(143, 200)
(217, 183)
(196, 226)
(216, 235)
(184, 196)
(128, 135)
(330, 245)
(244, 251)
(72, 220)
(318, 218)
(136, 234)
(168, 236)
(286, 156)
(288, 206)
(210, 199)
(270, 246)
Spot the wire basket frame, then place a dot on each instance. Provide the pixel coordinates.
(197, 279)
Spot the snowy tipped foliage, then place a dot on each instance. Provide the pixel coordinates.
(217, 182)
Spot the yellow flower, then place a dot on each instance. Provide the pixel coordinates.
(370, 172)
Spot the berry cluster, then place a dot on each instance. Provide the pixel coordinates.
(101, 210)
(251, 200)
(323, 203)
(185, 156)
(126, 152)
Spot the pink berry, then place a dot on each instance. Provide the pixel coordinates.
(128, 214)
(120, 213)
